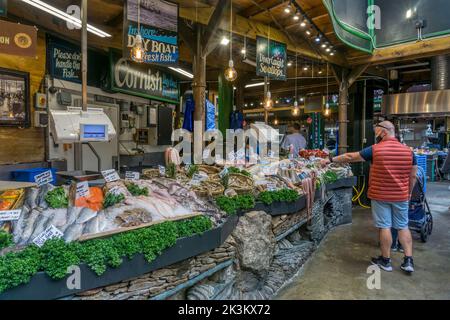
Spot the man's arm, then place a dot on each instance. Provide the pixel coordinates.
(352, 157)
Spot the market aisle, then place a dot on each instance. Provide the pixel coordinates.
(338, 268)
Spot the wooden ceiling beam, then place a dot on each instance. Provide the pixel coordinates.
(254, 10)
(408, 51)
(217, 18)
(251, 29)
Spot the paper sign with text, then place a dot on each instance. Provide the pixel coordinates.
(10, 215)
(130, 175)
(110, 175)
(43, 178)
(50, 233)
(82, 190)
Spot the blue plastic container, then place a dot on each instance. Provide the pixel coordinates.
(27, 175)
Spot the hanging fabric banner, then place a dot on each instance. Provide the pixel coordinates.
(158, 21)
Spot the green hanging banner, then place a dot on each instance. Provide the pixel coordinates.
(271, 59)
(316, 131)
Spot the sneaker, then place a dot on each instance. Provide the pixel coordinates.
(408, 265)
(383, 263)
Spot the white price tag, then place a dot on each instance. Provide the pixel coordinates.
(115, 190)
(162, 171)
(110, 175)
(223, 173)
(202, 176)
(131, 175)
(261, 182)
(43, 178)
(10, 215)
(50, 233)
(271, 186)
(82, 190)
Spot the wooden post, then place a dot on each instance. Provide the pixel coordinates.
(199, 88)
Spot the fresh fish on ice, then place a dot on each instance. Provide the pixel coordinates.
(73, 232)
(85, 215)
(19, 225)
(41, 225)
(28, 227)
(92, 226)
(58, 218)
(31, 195)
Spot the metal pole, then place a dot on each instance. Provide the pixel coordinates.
(78, 147)
(266, 112)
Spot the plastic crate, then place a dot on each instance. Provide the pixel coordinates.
(27, 175)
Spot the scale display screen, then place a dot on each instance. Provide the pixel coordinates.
(93, 132)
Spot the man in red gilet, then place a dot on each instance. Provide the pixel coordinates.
(392, 178)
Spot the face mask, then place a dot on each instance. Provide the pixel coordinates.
(378, 139)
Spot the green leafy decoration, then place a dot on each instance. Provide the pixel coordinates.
(136, 191)
(57, 198)
(232, 204)
(283, 195)
(6, 239)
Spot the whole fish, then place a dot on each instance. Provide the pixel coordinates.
(92, 226)
(28, 228)
(41, 225)
(19, 225)
(73, 232)
(58, 218)
(85, 215)
(31, 195)
(40, 200)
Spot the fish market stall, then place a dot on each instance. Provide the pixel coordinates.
(162, 219)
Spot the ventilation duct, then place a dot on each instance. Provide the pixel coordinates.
(440, 72)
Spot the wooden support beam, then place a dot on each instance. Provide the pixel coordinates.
(356, 73)
(409, 51)
(218, 16)
(266, 5)
(187, 35)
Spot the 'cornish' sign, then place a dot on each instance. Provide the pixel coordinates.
(270, 59)
(142, 80)
(158, 29)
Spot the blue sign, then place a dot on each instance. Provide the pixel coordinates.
(158, 28)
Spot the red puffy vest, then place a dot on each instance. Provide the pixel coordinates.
(390, 171)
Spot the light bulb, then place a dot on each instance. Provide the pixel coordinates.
(268, 103)
(243, 51)
(275, 122)
(225, 41)
(287, 9)
(295, 104)
(230, 72)
(137, 52)
(295, 111)
(327, 109)
(296, 17)
(303, 24)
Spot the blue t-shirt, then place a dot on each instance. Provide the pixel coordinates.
(367, 155)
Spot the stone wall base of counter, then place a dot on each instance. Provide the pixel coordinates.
(267, 252)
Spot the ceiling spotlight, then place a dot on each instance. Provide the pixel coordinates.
(277, 101)
(320, 71)
(328, 49)
(303, 24)
(302, 99)
(308, 32)
(225, 41)
(275, 122)
(324, 45)
(332, 54)
(296, 16)
(289, 64)
(305, 68)
(317, 39)
(288, 8)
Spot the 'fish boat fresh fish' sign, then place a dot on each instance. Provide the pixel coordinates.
(158, 21)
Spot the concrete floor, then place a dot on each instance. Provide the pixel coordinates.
(338, 269)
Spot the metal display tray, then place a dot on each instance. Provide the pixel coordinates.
(79, 175)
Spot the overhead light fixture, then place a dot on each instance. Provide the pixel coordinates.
(230, 72)
(320, 71)
(296, 17)
(275, 122)
(289, 64)
(324, 45)
(243, 51)
(183, 72)
(225, 41)
(268, 103)
(277, 101)
(331, 53)
(252, 85)
(41, 5)
(252, 104)
(317, 39)
(308, 32)
(303, 24)
(287, 9)
(137, 51)
(328, 49)
(305, 68)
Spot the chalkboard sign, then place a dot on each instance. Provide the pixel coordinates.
(271, 59)
(142, 80)
(64, 62)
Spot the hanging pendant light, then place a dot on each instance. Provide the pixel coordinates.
(327, 105)
(138, 52)
(268, 103)
(230, 72)
(296, 110)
